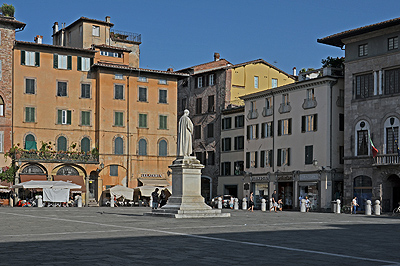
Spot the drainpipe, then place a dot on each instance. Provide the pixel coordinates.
(127, 133)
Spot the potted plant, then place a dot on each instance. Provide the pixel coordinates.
(7, 10)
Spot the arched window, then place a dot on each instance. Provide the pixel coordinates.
(118, 146)
(362, 138)
(142, 147)
(162, 148)
(391, 134)
(1, 107)
(85, 144)
(362, 189)
(62, 143)
(30, 142)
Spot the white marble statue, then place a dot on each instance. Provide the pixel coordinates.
(185, 130)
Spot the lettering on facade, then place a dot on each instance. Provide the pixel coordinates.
(284, 177)
(151, 175)
(307, 177)
(259, 178)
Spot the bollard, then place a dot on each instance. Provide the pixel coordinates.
(80, 201)
(151, 202)
(219, 203)
(244, 204)
(263, 205)
(377, 207)
(271, 205)
(303, 205)
(236, 204)
(11, 201)
(368, 208)
(39, 201)
(338, 206)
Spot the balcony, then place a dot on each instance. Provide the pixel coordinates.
(284, 108)
(57, 157)
(124, 36)
(310, 103)
(267, 111)
(253, 114)
(386, 159)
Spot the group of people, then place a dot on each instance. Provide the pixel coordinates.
(158, 200)
(277, 204)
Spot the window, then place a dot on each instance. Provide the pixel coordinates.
(200, 157)
(274, 83)
(143, 120)
(162, 148)
(83, 63)
(118, 76)
(267, 130)
(365, 86)
(226, 144)
(251, 159)
(199, 104)
(85, 91)
(283, 157)
(226, 168)
(29, 114)
(85, 145)
(392, 82)
(253, 106)
(118, 92)
(163, 122)
(142, 94)
(113, 170)
(118, 146)
(310, 94)
(211, 79)
(285, 99)
(341, 122)
(142, 147)
(309, 154)
(239, 121)
(1, 106)
(62, 143)
(1, 141)
(362, 142)
(30, 142)
(211, 103)
(62, 88)
(30, 58)
(238, 167)
(95, 30)
(309, 123)
(85, 118)
(162, 81)
(111, 54)
(239, 143)
(118, 119)
(142, 79)
(199, 82)
(341, 154)
(64, 117)
(30, 86)
(211, 158)
(197, 132)
(184, 103)
(62, 61)
(268, 102)
(210, 130)
(392, 136)
(252, 132)
(226, 123)
(284, 127)
(162, 96)
(363, 50)
(255, 82)
(393, 43)
(266, 158)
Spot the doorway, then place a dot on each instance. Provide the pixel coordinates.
(231, 190)
(285, 192)
(394, 183)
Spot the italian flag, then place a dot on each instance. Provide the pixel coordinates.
(374, 150)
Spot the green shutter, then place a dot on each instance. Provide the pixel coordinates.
(37, 59)
(69, 62)
(27, 114)
(69, 117)
(55, 61)
(59, 116)
(79, 63)
(22, 57)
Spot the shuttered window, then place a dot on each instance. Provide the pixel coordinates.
(30, 86)
(143, 120)
(142, 147)
(85, 144)
(85, 116)
(85, 91)
(162, 98)
(64, 117)
(118, 92)
(163, 122)
(142, 94)
(118, 146)
(162, 148)
(29, 114)
(118, 119)
(62, 144)
(62, 89)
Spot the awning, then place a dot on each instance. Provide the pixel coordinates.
(35, 184)
(121, 191)
(24, 178)
(76, 179)
(5, 186)
(154, 182)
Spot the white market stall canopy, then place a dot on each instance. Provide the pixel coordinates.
(47, 184)
(147, 190)
(121, 191)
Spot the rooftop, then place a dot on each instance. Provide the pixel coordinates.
(51, 46)
(127, 67)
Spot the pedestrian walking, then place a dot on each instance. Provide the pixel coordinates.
(251, 202)
(354, 205)
(231, 202)
(275, 200)
(154, 196)
(280, 204)
(308, 204)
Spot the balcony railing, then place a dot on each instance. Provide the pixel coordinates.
(58, 157)
(267, 111)
(126, 36)
(284, 108)
(310, 103)
(387, 159)
(253, 114)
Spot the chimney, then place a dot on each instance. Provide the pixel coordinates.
(38, 39)
(55, 27)
(294, 71)
(216, 56)
(108, 19)
(170, 69)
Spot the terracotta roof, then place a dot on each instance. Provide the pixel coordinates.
(336, 39)
(89, 20)
(55, 47)
(111, 47)
(127, 67)
(11, 20)
(207, 66)
(263, 62)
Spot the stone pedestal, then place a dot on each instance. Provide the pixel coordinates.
(186, 200)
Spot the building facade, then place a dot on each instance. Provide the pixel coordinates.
(372, 94)
(294, 140)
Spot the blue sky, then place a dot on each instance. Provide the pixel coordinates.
(182, 33)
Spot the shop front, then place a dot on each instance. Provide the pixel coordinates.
(309, 187)
(260, 187)
(285, 190)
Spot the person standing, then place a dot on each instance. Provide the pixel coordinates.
(275, 200)
(154, 196)
(307, 204)
(354, 205)
(251, 202)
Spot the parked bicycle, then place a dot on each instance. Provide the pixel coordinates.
(396, 211)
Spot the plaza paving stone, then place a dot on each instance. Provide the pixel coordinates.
(123, 236)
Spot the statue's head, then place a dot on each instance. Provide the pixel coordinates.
(186, 112)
